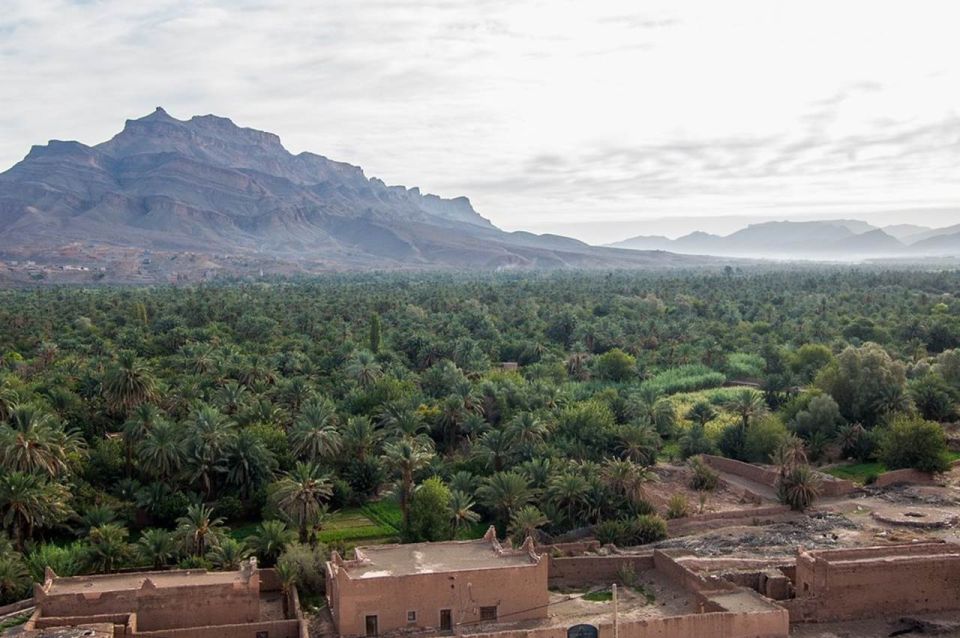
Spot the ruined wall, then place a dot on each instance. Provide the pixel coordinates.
(830, 486)
(164, 607)
(699, 522)
(856, 583)
(276, 629)
(580, 571)
(908, 475)
(520, 593)
(771, 624)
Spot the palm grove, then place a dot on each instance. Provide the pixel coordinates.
(139, 426)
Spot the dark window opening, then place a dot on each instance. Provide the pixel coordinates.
(411, 616)
(446, 620)
(488, 613)
(371, 622)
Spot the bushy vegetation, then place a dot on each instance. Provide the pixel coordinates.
(138, 427)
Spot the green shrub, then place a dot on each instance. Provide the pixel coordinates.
(648, 528)
(307, 566)
(678, 507)
(915, 443)
(703, 478)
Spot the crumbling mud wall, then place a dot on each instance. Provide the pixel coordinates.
(859, 583)
(829, 485)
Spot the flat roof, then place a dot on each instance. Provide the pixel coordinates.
(430, 558)
(133, 581)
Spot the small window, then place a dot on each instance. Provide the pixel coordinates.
(411, 616)
(263, 634)
(488, 613)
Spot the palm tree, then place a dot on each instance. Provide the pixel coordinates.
(127, 384)
(525, 523)
(107, 547)
(568, 492)
(405, 458)
(209, 436)
(496, 447)
(301, 493)
(527, 429)
(799, 487)
(32, 441)
(577, 366)
(461, 510)
(228, 555)
(250, 463)
(359, 438)
(363, 368)
(505, 493)
(94, 516)
(702, 412)
(198, 529)
(627, 478)
(269, 541)
(161, 452)
(748, 404)
(28, 501)
(314, 435)
(145, 417)
(157, 547)
(639, 444)
(402, 421)
(14, 577)
(231, 397)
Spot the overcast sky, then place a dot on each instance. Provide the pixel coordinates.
(581, 117)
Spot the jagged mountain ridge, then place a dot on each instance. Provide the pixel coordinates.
(208, 185)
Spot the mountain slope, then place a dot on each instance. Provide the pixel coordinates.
(205, 185)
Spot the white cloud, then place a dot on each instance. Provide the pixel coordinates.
(545, 113)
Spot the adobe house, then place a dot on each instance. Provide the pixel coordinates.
(246, 603)
(435, 586)
(844, 584)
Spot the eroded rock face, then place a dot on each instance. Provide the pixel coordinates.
(207, 185)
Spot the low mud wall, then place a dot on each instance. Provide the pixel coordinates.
(582, 571)
(905, 476)
(713, 520)
(829, 485)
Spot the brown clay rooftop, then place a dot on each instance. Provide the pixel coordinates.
(121, 582)
(429, 558)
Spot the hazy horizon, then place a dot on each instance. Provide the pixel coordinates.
(599, 122)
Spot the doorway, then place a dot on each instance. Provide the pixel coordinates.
(371, 622)
(446, 620)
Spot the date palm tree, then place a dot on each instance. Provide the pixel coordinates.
(702, 412)
(526, 523)
(269, 541)
(301, 495)
(461, 511)
(33, 441)
(250, 463)
(128, 383)
(359, 438)
(496, 447)
(639, 444)
(627, 478)
(228, 554)
(504, 493)
(527, 429)
(364, 369)
(748, 404)
(199, 529)
(157, 547)
(145, 416)
(28, 501)
(568, 493)
(314, 435)
(161, 453)
(107, 547)
(405, 458)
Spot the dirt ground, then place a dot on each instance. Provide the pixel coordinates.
(675, 479)
(947, 625)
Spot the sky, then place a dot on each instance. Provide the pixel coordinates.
(600, 119)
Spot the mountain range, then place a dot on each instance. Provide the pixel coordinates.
(167, 198)
(841, 240)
